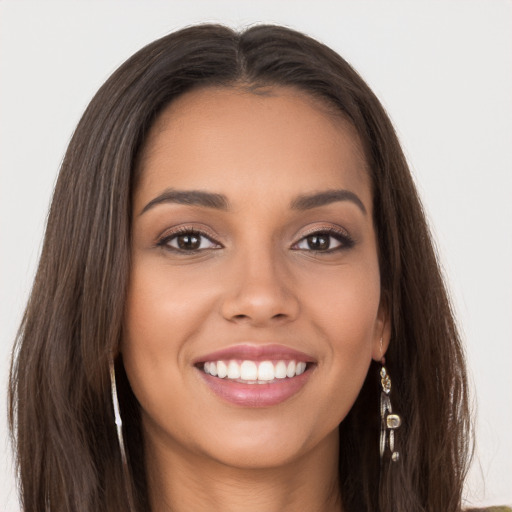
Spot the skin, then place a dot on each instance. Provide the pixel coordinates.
(255, 279)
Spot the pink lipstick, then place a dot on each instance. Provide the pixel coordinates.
(255, 375)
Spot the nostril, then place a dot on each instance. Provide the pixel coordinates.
(240, 317)
(278, 316)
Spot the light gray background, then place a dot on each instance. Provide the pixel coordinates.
(442, 69)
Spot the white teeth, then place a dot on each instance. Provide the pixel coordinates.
(233, 370)
(266, 371)
(301, 367)
(280, 370)
(253, 372)
(222, 369)
(290, 370)
(248, 370)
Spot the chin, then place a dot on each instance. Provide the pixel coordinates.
(266, 445)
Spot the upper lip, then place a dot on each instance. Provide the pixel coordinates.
(256, 353)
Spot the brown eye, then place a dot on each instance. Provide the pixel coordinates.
(188, 241)
(320, 242)
(324, 241)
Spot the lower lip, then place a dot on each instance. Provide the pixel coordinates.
(256, 395)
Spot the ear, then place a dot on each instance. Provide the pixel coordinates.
(382, 333)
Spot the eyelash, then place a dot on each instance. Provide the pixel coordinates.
(346, 242)
(165, 241)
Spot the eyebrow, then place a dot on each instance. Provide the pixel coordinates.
(220, 201)
(315, 200)
(189, 197)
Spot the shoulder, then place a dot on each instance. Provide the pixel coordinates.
(489, 509)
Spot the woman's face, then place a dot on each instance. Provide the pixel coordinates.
(254, 252)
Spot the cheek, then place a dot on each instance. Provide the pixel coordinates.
(346, 319)
(162, 318)
(161, 307)
(347, 305)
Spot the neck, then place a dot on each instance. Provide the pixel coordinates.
(180, 482)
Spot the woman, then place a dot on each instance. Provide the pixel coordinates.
(236, 254)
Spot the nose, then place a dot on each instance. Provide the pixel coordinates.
(260, 291)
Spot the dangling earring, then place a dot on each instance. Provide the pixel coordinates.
(388, 421)
(117, 414)
(119, 428)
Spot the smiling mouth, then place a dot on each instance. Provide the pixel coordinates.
(255, 372)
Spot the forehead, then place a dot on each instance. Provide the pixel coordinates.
(235, 138)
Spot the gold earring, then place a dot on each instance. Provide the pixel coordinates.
(389, 422)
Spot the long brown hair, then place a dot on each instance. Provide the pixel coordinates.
(61, 414)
